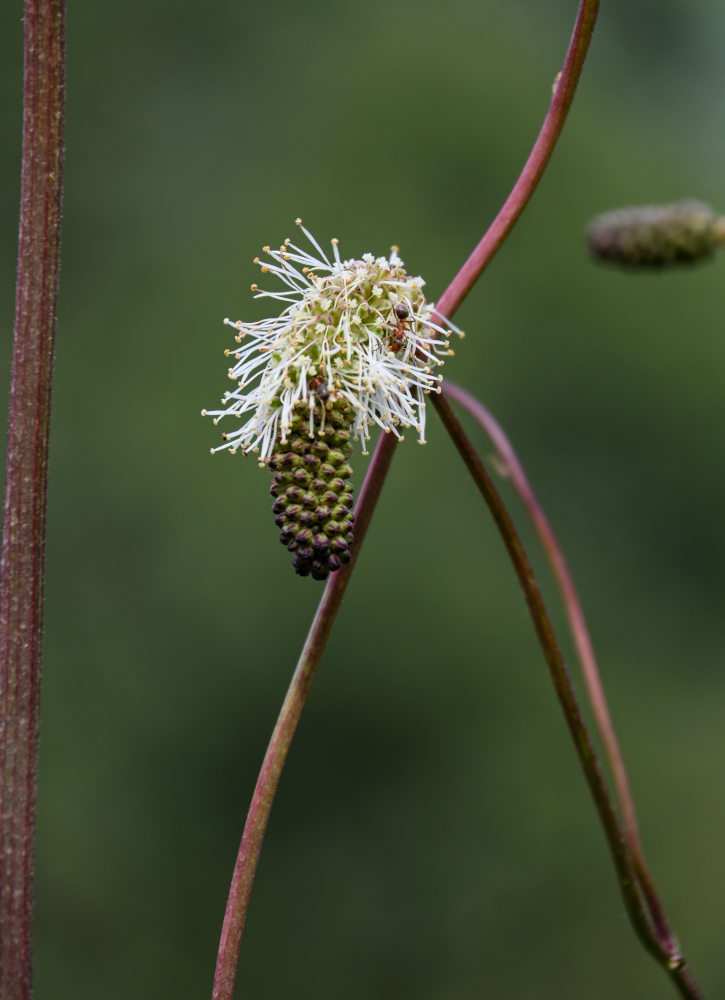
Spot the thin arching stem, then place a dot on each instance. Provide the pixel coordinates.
(564, 90)
(259, 810)
(582, 641)
(666, 952)
(266, 787)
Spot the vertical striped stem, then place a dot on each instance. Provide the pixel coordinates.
(23, 544)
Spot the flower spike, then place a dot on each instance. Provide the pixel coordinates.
(656, 236)
(356, 345)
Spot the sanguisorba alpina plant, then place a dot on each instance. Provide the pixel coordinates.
(356, 345)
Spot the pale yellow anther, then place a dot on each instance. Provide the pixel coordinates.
(298, 222)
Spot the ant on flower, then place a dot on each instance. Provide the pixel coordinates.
(320, 388)
(403, 314)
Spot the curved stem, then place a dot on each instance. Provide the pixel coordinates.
(583, 644)
(672, 961)
(448, 303)
(23, 544)
(564, 89)
(256, 824)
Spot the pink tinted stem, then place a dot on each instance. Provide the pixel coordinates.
(258, 815)
(582, 641)
(623, 838)
(266, 787)
(564, 90)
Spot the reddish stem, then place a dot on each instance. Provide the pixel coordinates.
(564, 89)
(266, 787)
(258, 815)
(513, 469)
(666, 952)
(23, 545)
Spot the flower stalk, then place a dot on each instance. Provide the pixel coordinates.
(23, 544)
(512, 468)
(564, 89)
(260, 807)
(266, 787)
(641, 900)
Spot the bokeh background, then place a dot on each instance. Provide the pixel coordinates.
(433, 837)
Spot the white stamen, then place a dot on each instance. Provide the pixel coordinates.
(350, 338)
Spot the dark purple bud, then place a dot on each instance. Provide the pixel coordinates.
(321, 543)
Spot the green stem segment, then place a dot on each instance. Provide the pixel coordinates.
(655, 935)
(23, 545)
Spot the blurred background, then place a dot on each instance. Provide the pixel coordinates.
(433, 837)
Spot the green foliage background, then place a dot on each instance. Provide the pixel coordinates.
(433, 838)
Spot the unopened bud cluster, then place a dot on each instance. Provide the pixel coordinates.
(656, 236)
(356, 345)
(312, 490)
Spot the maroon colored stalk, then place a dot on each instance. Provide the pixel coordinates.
(564, 89)
(265, 790)
(279, 744)
(514, 470)
(652, 928)
(23, 544)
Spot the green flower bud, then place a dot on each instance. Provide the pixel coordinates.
(315, 527)
(653, 236)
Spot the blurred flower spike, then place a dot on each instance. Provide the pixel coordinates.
(352, 330)
(644, 237)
